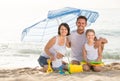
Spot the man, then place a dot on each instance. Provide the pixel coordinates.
(78, 38)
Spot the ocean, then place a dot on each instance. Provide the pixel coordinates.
(109, 28)
(22, 54)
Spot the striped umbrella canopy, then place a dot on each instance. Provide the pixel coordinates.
(43, 30)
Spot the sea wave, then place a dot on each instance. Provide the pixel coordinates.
(111, 55)
(26, 49)
(108, 33)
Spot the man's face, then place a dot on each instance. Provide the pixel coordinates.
(81, 24)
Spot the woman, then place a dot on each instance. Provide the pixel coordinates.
(56, 47)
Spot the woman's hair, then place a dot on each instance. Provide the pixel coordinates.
(66, 26)
(90, 30)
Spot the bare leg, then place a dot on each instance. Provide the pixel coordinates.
(45, 68)
(97, 68)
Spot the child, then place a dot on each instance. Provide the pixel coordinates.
(58, 64)
(90, 53)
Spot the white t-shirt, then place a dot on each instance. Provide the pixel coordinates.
(57, 63)
(77, 42)
(92, 53)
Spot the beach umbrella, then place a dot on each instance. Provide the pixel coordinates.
(43, 30)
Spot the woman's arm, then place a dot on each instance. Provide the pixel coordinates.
(50, 43)
(68, 43)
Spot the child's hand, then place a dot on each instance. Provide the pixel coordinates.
(59, 55)
(52, 58)
(98, 60)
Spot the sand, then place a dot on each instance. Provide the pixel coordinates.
(110, 72)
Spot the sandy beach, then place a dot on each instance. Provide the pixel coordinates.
(25, 29)
(111, 72)
(18, 62)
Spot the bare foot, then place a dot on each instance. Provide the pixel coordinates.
(39, 69)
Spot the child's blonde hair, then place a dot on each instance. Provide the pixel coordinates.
(91, 30)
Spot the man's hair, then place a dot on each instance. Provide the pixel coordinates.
(82, 17)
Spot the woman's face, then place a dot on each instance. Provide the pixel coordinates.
(63, 31)
(90, 36)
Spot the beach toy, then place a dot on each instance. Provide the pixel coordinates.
(83, 62)
(61, 70)
(99, 63)
(94, 63)
(49, 70)
(75, 68)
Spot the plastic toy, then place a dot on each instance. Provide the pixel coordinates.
(75, 68)
(94, 63)
(49, 70)
(61, 70)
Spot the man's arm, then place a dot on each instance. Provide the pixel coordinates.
(100, 42)
(103, 40)
(99, 54)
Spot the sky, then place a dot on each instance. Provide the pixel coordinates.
(16, 15)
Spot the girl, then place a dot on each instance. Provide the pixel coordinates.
(90, 53)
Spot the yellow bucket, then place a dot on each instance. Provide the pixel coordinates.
(75, 68)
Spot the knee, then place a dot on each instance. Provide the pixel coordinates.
(75, 62)
(86, 68)
(97, 69)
